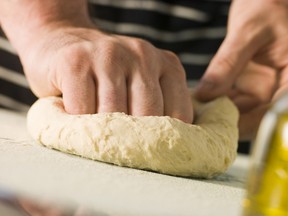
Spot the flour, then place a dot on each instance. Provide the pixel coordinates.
(162, 144)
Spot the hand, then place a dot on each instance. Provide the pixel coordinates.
(96, 72)
(258, 32)
(245, 94)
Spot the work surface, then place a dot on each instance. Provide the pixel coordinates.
(29, 169)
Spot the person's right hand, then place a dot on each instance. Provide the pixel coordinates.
(96, 72)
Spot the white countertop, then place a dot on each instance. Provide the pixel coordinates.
(32, 170)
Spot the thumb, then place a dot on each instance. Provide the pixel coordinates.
(231, 58)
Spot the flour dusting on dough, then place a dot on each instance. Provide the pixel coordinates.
(162, 144)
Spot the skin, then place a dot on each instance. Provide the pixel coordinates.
(251, 64)
(63, 53)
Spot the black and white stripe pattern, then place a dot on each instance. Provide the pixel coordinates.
(192, 29)
(14, 89)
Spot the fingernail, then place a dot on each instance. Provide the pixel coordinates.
(205, 86)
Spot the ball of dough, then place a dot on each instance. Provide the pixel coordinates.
(162, 144)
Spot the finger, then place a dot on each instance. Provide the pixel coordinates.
(79, 94)
(245, 102)
(144, 96)
(253, 87)
(258, 81)
(249, 122)
(112, 93)
(229, 61)
(283, 84)
(177, 98)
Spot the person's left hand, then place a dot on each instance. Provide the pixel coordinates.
(257, 32)
(253, 98)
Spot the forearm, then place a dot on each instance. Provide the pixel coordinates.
(22, 19)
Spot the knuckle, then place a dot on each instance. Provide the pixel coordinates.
(172, 56)
(141, 46)
(112, 59)
(177, 68)
(142, 49)
(73, 59)
(73, 52)
(111, 52)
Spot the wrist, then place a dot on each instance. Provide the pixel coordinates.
(30, 19)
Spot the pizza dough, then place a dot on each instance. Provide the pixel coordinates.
(162, 144)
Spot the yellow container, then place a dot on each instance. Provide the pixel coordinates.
(267, 189)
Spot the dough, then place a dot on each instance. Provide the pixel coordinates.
(162, 144)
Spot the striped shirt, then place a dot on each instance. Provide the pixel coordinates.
(193, 30)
